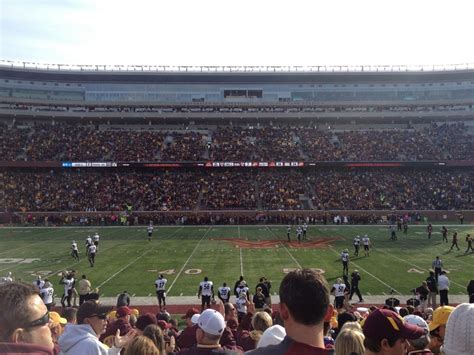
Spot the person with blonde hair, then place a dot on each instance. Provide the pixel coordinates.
(261, 321)
(142, 345)
(155, 333)
(350, 340)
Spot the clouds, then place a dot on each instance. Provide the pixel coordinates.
(211, 32)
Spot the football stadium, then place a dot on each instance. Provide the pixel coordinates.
(155, 180)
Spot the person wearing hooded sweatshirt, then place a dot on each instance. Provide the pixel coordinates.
(83, 338)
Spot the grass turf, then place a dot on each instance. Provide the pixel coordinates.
(127, 261)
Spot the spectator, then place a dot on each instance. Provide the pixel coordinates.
(259, 299)
(437, 327)
(187, 337)
(70, 314)
(24, 320)
(83, 338)
(145, 320)
(418, 346)
(385, 333)
(142, 345)
(350, 340)
(56, 324)
(211, 325)
(122, 323)
(304, 306)
(155, 333)
(272, 336)
(458, 338)
(261, 321)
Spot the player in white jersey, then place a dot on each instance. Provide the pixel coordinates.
(299, 232)
(7, 278)
(88, 243)
(149, 230)
(96, 239)
(38, 283)
(68, 283)
(47, 293)
(305, 228)
(74, 250)
(91, 253)
(243, 288)
(356, 243)
(160, 285)
(345, 262)
(366, 243)
(206, 290)
(241, 304)
(223, 293)
(339, 290)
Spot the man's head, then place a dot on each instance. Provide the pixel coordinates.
(188, 316)
(124, 312)
(437, 326)
(304, 297)
(24, 317)
(94, 314)
(211, 325)
(386, 333)
(206, 278)
(423, 341)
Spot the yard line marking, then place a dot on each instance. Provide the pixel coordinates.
(42, 241)
(417, 266)
(284, 246)
(241, 261)
(368, 273)
(125, 267)
(186, 263)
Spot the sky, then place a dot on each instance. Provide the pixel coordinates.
(238, 33)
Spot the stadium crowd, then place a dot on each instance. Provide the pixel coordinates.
(62, 141)
(305, 322)
(268, 189)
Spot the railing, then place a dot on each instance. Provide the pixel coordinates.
(236, 69)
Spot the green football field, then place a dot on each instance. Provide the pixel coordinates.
(127, 261)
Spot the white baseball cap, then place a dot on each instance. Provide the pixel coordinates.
(195, 318)
(272, 336)
(211, 322)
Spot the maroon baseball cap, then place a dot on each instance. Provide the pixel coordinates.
(123, 311)
(163, 324)
(387, 324)
(190, 312)
(145, 319)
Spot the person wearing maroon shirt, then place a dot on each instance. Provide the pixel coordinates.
(122, 323)
(187, 338)
(304, 306)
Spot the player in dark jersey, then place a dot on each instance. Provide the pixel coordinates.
(469, 244)
(455, 241)
(288, 233)
(444, 233)
(429, 230)
(405, 227)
